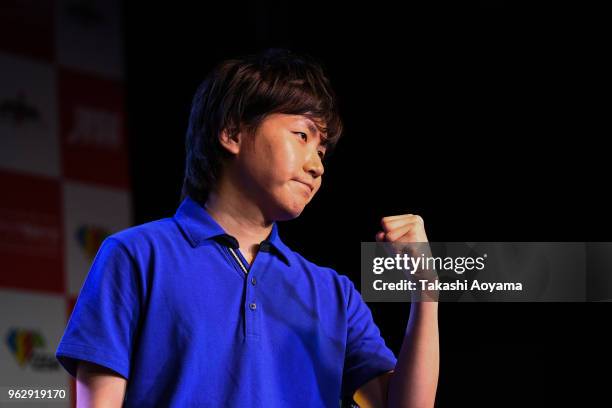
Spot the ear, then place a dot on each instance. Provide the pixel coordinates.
(231, 140)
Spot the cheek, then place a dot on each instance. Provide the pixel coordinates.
(282, 161)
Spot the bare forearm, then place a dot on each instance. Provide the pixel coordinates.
(99, 387)
(415, 380)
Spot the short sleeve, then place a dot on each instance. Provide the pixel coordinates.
(367, 355)
(104, 321)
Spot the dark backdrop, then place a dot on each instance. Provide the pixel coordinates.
(485, 118)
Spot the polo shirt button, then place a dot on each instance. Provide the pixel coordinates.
(253, 306)
(253, 281)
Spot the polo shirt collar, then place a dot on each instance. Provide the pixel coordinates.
(199, 226)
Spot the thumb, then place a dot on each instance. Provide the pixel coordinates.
(380, 236)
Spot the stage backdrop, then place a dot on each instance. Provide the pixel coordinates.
(64, 181)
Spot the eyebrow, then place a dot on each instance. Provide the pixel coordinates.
(313, 130)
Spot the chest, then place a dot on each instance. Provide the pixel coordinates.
(211, 296)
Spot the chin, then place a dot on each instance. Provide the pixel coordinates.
(286, 207)
(288, 211)
(289, 214)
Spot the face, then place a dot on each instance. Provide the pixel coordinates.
(281, 164)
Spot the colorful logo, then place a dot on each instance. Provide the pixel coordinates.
(89, 238)
(25, 346)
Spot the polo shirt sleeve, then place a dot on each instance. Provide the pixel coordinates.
(367, 356)
(104, 321)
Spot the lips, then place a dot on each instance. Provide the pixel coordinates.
(310, 186)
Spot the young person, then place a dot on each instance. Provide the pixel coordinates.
(210, 307)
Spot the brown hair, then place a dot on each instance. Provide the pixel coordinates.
(238, 95)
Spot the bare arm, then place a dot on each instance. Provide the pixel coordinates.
(99, 386)
(414, 381)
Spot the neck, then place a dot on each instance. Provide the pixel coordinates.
(239, 217)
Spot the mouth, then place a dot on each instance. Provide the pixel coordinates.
(310, 186)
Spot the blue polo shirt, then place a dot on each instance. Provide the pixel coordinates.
(173, 307)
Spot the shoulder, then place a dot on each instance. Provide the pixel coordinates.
(326, 277)
(146, 238)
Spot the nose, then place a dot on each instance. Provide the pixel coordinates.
(313, 165)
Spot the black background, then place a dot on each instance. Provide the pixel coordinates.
(486, 118)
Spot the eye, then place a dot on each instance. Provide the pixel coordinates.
(321, 154)
(302, 135)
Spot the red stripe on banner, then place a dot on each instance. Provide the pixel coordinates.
(31, 251)
(26, 28)
(92, 129)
